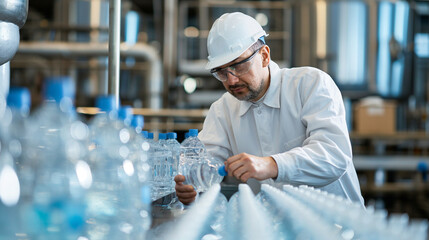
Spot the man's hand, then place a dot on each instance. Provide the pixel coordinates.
(185, 193)
(244, 166)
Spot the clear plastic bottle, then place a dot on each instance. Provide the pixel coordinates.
(149, 138)
(19, 102)
(192, 150)
(9, 182)
(114, 200)
(56, 152)
(9, 194)
(139, 156)
(174, 146)
(199, 168)
(162, 159)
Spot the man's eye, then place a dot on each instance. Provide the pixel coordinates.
(239, 67)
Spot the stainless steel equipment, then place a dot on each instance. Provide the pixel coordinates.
(13, 14)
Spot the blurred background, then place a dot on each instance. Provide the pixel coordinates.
(377, 52)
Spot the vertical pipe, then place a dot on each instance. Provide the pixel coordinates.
(4, 78)
(170, 41)
(114, 47)
(372, 46)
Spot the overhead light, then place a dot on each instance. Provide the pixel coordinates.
(191, 32)
(262, 19)
(190, 84)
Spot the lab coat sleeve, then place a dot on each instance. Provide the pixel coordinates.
(326, 151)
(214, 133)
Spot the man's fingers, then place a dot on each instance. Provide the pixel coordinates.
(239, 171)
(186, 195)
(184, 188)
(187, 201)
(232, 166)
(231, 160)
(244, 177)
(179, 178)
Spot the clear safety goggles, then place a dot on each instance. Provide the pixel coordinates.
(236, 69)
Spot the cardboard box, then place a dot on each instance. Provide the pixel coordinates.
(375, 117)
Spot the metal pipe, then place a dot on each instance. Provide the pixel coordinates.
(14, 11)
(114, 50)
(4, 78)
(170, 42)
(13, 15)
(139, 50)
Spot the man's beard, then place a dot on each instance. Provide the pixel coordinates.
(252, 93)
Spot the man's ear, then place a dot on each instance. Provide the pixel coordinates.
(265, 53)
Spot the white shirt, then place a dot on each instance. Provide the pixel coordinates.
(300, 123)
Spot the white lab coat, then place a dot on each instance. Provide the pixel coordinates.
(300, 122)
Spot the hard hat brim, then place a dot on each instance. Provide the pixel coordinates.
(225, 59)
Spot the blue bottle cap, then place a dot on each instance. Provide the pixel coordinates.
(137, 121)
(221, 170)
(171, 135)
(145, 134)
(150, 135)
(162, 136)
(186, 135)
(193, 132)
(106, 103)
(19, 98)
(57, 88)
(125, 113)
(422, 167)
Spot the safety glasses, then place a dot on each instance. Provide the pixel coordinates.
(236, 69)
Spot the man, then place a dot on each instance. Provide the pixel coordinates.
(278, 126)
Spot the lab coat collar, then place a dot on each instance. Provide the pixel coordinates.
(272, 96)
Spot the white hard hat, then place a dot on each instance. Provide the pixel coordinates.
(230, 36)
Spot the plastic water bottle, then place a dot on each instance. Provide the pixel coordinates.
(140, 156)
(199, 168)
(56, 154)
(115, 208)
(9, 182)
(192, 150)
(169, 163)
(174, 146)
(19, 102)
(149, 138)
(140, 150)
(162, 159)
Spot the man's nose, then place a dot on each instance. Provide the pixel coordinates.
(231, 79)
